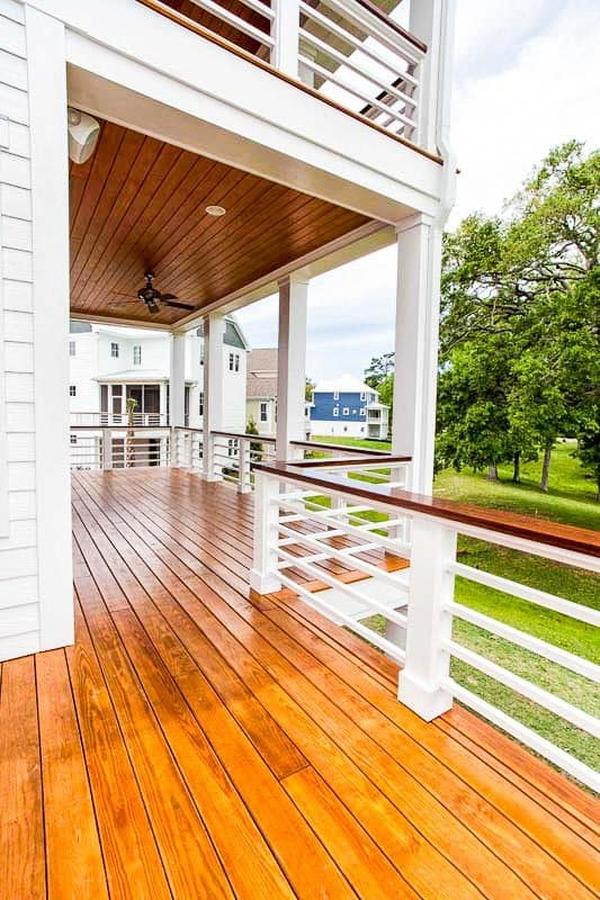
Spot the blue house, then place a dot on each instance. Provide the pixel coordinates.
(344, 406)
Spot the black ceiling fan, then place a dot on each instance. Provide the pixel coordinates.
(152, 297)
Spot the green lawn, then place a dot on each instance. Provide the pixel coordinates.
(570, 499)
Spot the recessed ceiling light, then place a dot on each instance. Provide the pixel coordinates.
(216, 210)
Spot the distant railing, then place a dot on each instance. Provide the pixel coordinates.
(348, 52)
(124, 447)
(315, 515)
(232, 454)
(117, 419)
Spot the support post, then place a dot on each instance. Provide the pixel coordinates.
(177, 381)
(106, 462)
(212, 420)
(263, 575)
(244, 483)
(291, 364)
(429, 623)
(416, 346)
(49, 294)
(286, 34)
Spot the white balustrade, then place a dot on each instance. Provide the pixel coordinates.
(357, 57)
(316, 515)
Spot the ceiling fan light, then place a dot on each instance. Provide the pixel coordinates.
(216, 211)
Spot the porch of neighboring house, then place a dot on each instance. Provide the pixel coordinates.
(201, 743)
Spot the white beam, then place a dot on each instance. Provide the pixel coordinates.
(214, 332)
(177, 380)
(50, 274)
(291, 363)
(416, 346)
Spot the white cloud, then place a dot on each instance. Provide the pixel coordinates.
(527, 78)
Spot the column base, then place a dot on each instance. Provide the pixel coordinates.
(426, 703)
(264, 584)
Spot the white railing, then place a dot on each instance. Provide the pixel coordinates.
(356, 56)
(232, 454)
(364, 61)
(139, 419)
(310, 520)
(121, 447)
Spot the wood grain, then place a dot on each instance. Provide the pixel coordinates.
(207, 745)
(138, 204)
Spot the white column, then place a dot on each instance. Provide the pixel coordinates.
(291, 363)
(46, 72)
(214, 332)
(286, 34)
(433, 22)
(263, 574)
(416, 346)
(177, 380)
(429, 623)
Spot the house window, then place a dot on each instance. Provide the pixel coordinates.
(114, 350)
(72, 348)
(234, 362)
(73, 438)
(201, 404)
(263, 412)
(72, 390)
(363, 396)
(363, 411)
(345, 411)
(336, 395)
(232, 447)
(336, 411)
(137, 355)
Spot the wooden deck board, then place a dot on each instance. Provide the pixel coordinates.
(209, 745)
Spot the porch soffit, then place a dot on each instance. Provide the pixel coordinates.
(139, 204)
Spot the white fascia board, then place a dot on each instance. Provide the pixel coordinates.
(200, 96)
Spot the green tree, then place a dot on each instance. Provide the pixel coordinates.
(520, 292)
(379, 369)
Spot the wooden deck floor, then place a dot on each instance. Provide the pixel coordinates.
(197, 745)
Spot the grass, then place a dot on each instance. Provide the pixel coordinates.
(571, 499)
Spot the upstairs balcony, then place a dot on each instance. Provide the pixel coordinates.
(350, 53)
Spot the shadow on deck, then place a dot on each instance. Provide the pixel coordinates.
(195, 744)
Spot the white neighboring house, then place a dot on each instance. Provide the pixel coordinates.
(110, 365)
(345, 406)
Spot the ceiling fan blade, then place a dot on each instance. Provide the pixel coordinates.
(179, 305)
(168, 297)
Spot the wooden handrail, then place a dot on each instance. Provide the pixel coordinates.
(267, 439)
(346, 461)
(541, 531)
(393, 25)
(339, 448)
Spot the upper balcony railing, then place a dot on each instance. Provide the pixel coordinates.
(348, 52)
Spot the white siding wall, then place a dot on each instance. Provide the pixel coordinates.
(35, 550)
(234, 391)
(19, 609)
(83, 369)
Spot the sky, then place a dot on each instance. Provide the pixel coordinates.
(527, 77)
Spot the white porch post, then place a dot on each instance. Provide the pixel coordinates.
(431, 588)
(291, 363)
(46, 268)
(416, 346)
(214, 332)
(177, 380)
(287, 24)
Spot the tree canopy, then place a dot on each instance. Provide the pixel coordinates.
(520, 323)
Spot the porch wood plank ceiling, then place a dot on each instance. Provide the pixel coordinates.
(138, 204)
(206, 745)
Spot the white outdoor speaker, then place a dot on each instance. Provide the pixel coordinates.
(83, 135)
